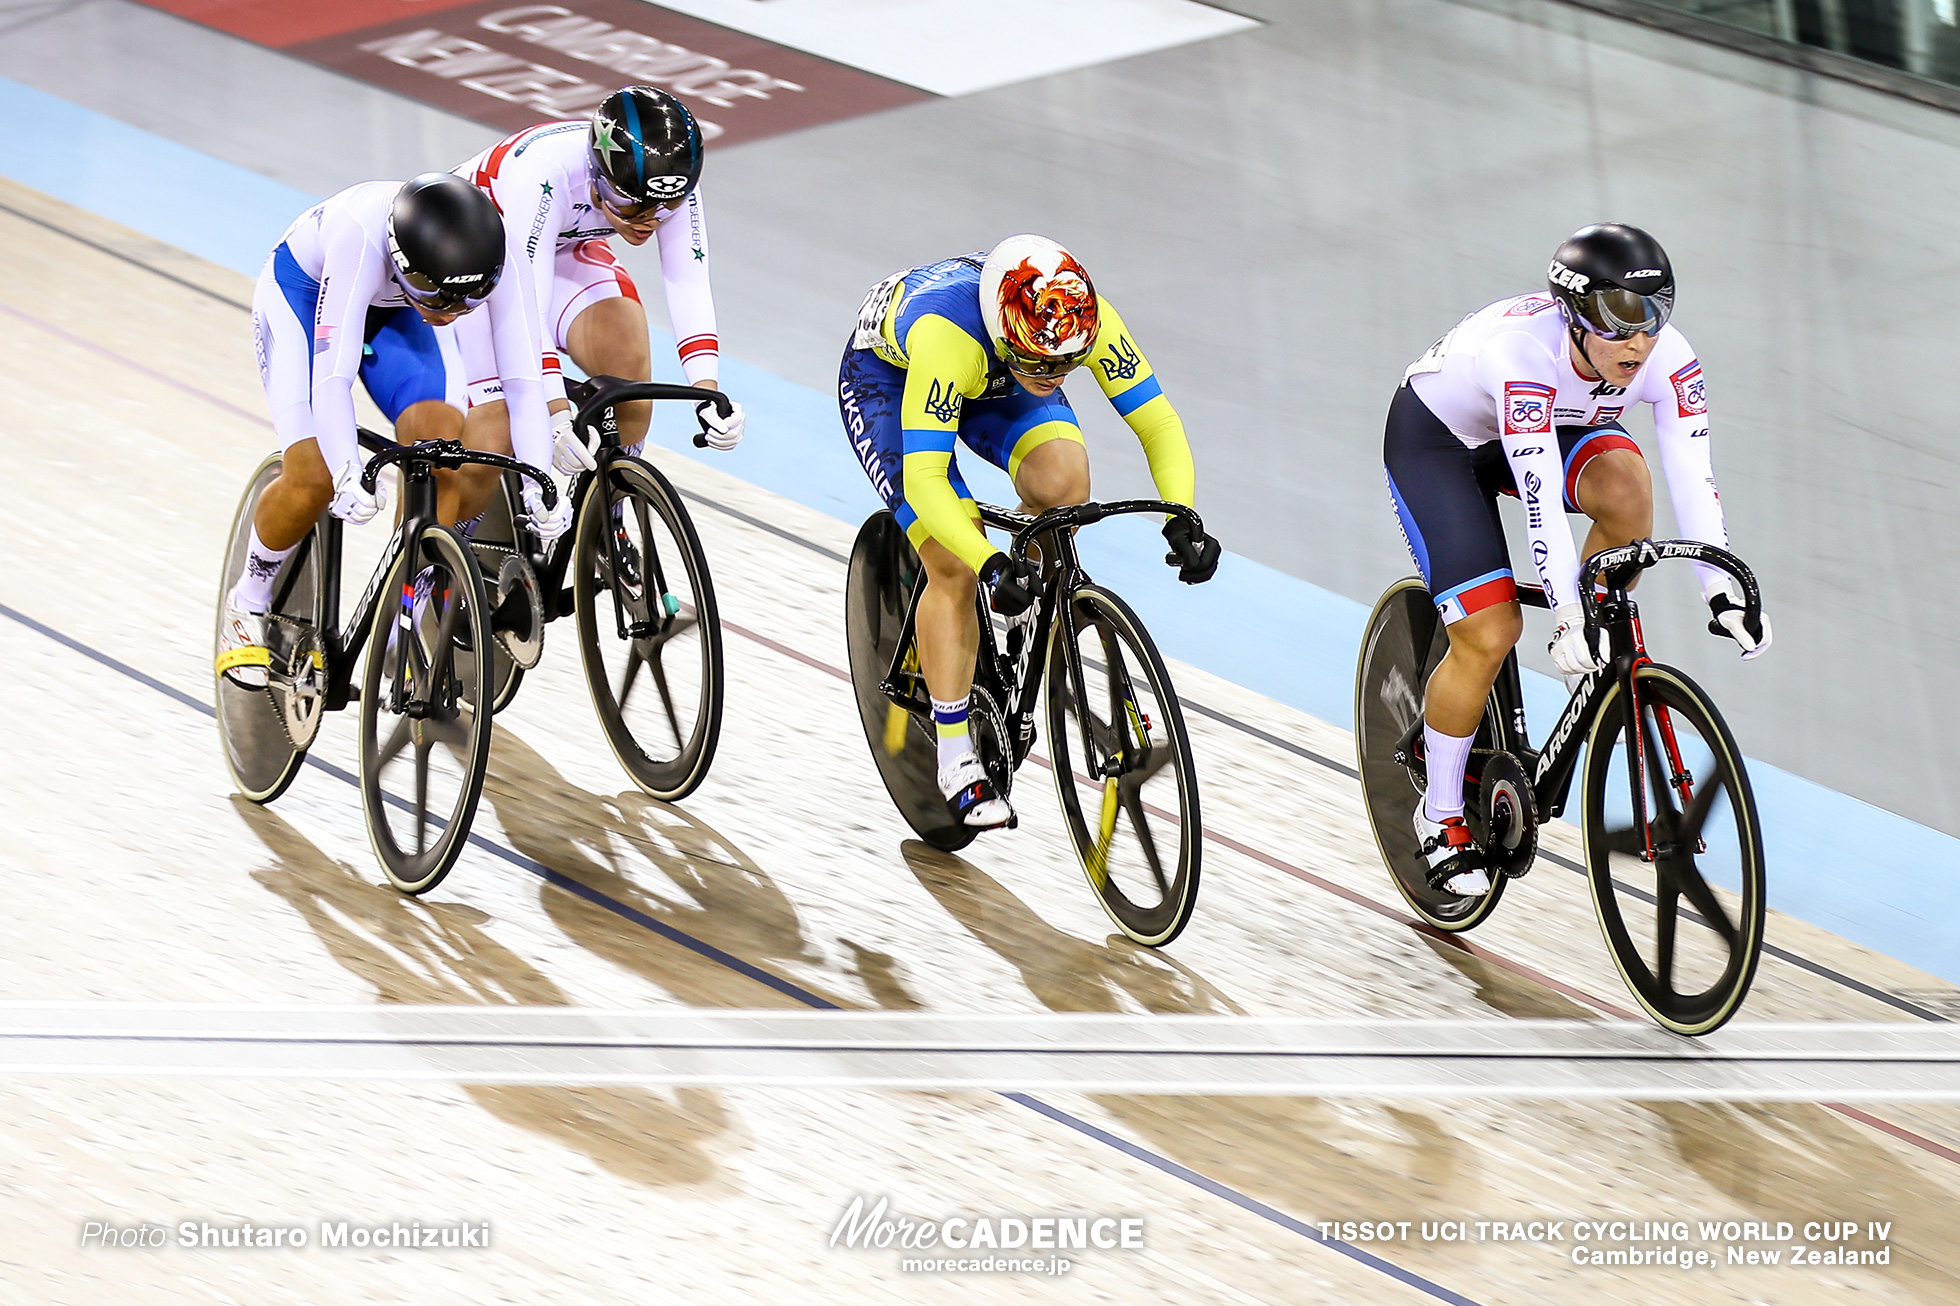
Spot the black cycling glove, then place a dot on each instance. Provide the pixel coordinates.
(1016, 584)
(1195, 556)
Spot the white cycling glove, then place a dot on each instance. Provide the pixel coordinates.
(351, 503)
(723, 433)
(1570, 653)
(1724, 598)
(569, 454)
(549, 525)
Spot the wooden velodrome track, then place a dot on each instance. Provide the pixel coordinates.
(129, 418)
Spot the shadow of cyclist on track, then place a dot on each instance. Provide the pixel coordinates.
(413, 950)
(665, 863)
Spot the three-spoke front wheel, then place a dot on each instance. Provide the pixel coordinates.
(648, 631)
(1674, 850)
(1123, 768)
(424, 742)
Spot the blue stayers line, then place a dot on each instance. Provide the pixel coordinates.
(1839, 863)
(795, 991)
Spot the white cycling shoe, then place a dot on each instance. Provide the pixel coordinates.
(1456, 864)
(970, 795)
(242, 655)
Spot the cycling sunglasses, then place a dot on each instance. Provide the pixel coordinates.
(628, 209)
(1041, 368)
(1620, 314)
(424, 292)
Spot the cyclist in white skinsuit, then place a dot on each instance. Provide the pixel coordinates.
(1526, 396)
(1505, 374)
(564, 188)
(364, 285)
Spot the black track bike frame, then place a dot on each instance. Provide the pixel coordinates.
(905, 682)
(596, 417)
(341, 645)
(1551, 769)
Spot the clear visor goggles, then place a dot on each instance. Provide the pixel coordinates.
(626, 208)
(1620, 314)
(424, 291)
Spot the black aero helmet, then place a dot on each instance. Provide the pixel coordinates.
(446, 241)
(646, 151)
(1612, 280)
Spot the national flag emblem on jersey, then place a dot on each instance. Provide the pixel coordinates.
(1528, 306)
(322, 338)
(1527, 408)
(1689, 398)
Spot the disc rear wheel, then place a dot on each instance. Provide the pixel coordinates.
(266, 732)
(884, 569)
(1403, 643)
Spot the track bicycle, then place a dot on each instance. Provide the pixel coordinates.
(1117, 744)
(424, 620)
(633, 571)
(1674, 851)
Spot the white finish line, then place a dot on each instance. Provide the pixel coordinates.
(1223, 1055)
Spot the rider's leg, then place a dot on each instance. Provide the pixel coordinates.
(1455, 700)
(1053, 474)
(1616, 491)
(291, 504)
(433, 419)
(948, 625)
(467, 493)
(609, 338)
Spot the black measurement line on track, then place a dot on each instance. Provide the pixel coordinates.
(125, 256)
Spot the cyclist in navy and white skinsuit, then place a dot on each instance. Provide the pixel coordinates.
(364, 285)
(1526, 397)
(564, 188)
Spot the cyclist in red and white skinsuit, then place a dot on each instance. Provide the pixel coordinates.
(564, 188)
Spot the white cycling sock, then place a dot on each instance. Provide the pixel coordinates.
(1444, 757)
(954, 741)
(254, 589)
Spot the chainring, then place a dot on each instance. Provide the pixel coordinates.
(991, 741)
(1506, 822)
(302, 702)
(517, 612)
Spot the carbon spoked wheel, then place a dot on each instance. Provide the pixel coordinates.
(1123, 770)
(1403, 643)
(424, 743)
(647, 628)
(266, 732)
(1674, 850)
(884, 568)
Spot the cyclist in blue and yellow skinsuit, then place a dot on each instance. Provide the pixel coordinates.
(975, 348)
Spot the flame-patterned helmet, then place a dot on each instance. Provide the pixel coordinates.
(1038, 305)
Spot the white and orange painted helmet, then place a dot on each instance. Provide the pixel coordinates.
(1038, 305)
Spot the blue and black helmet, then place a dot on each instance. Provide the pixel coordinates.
(646, 151)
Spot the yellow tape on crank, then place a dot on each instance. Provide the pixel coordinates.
(249, 655)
